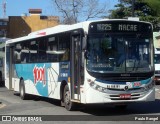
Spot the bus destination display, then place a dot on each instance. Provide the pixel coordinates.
(119, 27)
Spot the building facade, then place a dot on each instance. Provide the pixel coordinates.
(19, 26)
(3, 27)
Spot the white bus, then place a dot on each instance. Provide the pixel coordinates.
(88, 63)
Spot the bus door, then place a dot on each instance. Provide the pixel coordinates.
(76, 66)
(9, 68)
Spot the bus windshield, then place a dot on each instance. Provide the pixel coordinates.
(119, 53)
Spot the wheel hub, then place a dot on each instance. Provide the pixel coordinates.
(67, 98)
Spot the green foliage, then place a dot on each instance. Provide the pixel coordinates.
(154, 20)
(146, 10)
(122, 11)
(154, 4)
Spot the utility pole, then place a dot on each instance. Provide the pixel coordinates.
(133, 2)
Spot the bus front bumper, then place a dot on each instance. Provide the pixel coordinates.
(115, 98)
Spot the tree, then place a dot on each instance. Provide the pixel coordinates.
(146, 10)
(154, 4)
(75, 10)
(124, 9)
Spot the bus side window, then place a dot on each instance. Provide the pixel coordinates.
(33, 51)
(52, 48)
(17, 53)
(42, 57)
(25, 52)
(64, 47)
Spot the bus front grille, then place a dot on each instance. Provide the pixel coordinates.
(133, 96)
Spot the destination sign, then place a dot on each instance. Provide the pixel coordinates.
(119, 26)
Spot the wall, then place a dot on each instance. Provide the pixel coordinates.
(23, 25)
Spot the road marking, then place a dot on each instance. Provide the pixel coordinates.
(156, 89)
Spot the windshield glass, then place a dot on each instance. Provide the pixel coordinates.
(107, 53)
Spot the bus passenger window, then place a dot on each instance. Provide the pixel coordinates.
(33, 51)
(64, 47)
(25, 53)
(52, 52)
(42, 57)
(65, 56)
(17, 53)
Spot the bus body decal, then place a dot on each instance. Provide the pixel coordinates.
(36, 73)
(39, 75)
(64, 71)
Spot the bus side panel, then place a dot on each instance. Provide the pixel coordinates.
(16, 84)
(57, 74)
(35, 78)
(53, 84)
(42, 79)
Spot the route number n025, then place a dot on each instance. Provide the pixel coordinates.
(104, 27)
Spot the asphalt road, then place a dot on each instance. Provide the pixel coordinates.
(13, 105)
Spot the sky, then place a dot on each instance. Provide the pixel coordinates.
(19, 7)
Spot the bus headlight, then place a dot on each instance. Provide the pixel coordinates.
(96, 86)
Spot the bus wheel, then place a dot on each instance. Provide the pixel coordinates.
(67, 99)
(22, 90)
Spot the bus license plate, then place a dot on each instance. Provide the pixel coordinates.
(125, 96)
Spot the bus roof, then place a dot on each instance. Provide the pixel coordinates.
(59, 29)
(46, 32)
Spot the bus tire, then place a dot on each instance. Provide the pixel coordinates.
(63, 84)
(67, 99)
(22, 90)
